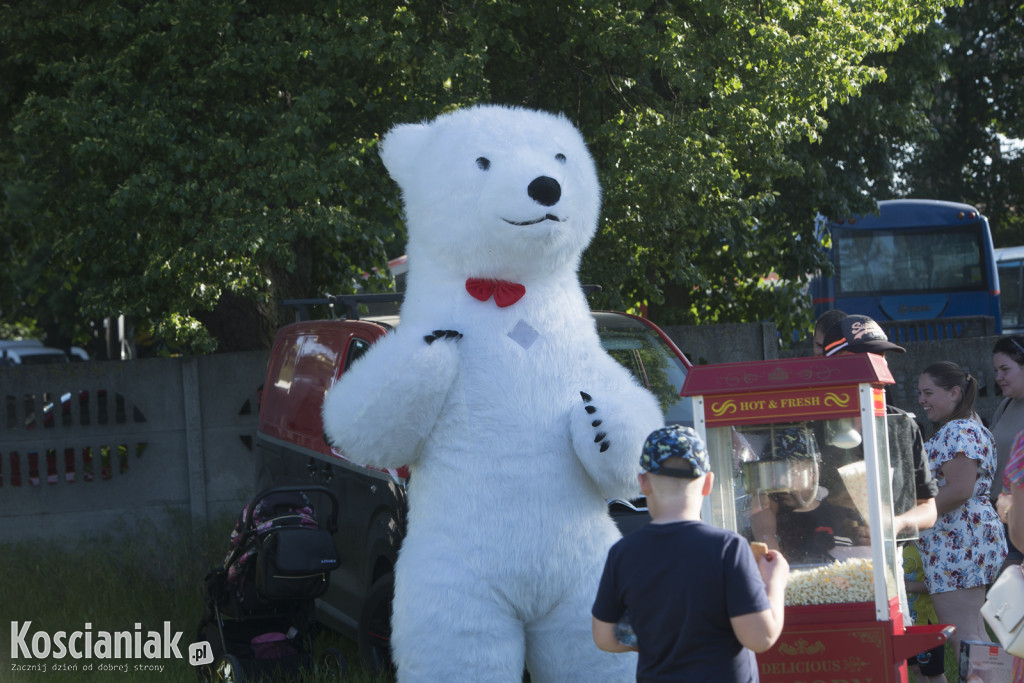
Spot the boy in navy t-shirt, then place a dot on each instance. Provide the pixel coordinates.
(698, 601)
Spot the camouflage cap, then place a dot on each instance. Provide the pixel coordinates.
(675, 441)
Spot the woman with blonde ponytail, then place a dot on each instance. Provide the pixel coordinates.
(964, 551)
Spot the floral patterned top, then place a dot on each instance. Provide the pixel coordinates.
(966, 547)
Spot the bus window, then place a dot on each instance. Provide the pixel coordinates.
(925, 260)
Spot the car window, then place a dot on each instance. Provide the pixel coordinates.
(43, 358)
(641, 351)
(356, 348)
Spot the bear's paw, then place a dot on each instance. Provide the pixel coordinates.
(453, 335)
(599, 436)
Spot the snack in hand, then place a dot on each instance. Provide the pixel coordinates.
(759, 549)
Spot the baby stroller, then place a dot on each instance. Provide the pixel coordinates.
(259, 609)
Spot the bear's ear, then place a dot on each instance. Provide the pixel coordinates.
(400, 149)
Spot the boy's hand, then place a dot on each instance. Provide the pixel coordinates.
(774, 569)
(759, 630)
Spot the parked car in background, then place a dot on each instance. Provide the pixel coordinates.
(43, 467)
(33, 352)
(307, 358)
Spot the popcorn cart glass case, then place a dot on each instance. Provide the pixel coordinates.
(800, 452)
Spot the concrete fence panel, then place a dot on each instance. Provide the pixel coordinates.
(973, 353)
(91, 447)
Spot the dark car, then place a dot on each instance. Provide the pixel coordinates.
(307, 358)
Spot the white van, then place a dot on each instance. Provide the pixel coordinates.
(31, 352)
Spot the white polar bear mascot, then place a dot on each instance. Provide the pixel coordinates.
(494, 389)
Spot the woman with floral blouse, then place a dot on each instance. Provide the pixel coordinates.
(965, 549)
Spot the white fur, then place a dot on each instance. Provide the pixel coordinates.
(508, 525)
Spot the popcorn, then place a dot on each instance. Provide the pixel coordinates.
(855, 478)
(849, 581)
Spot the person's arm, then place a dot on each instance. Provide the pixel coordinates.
(604, 637)
(921, 516)
(1012, 496)
(960, 473)
(1016, 516)
(763, 524)
(758, 631)
(924, 514)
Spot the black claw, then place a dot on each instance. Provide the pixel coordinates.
(442, 334)
(586, 397)
(590, 409)
(600, 436)
(595, 423)
(604, 446)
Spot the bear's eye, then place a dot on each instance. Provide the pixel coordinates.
(560, 158)
(483, 163)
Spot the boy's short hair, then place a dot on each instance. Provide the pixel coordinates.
(675, 441)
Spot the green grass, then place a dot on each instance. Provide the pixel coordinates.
(114, 582)
(121, 579)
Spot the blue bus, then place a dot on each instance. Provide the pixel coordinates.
(1010, 262)
(922, 268)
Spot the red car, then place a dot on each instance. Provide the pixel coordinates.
(307, 358)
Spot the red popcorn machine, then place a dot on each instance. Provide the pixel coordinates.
(801, 454)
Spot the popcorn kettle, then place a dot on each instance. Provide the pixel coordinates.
(787, 464)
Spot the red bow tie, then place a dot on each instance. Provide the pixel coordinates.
(505, 293)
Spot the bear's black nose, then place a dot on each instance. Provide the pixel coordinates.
(545, 190)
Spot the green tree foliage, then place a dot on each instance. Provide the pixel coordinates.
(974, 112)
(859, 157)
(190, 163)
(190, 160)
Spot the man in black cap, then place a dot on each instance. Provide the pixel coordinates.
(821, 325)
(857, 334)
(861, 334)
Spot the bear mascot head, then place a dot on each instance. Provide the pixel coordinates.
(517, 427)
